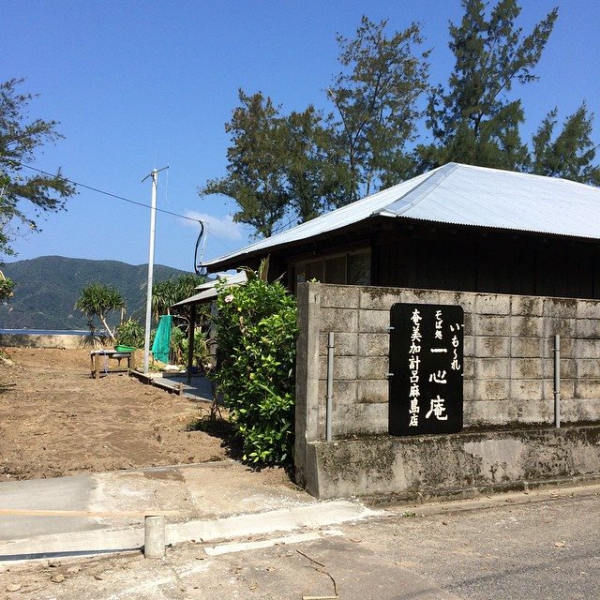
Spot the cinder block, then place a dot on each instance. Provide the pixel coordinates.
(469, 367)
(417, 296)
(587, 368)
(569, 347)
(493, 304)
(567, 390)
(485, 412)
(587, 389)
(526, 389)
(491, 325)
(587, 328)
(373, 367)
(531, 411)
(340, 296)
(492, 346)
(373, 298)
(588, 348)
(361, 419)
(562, 308)
(559, 326)
(374, 344)
(339, 319)
(469, 328)
(373, 391)
(527, 326)
(492, 368)
(568, 368)
(344, 367)
(527, 306)
(373, 321)
(527, 368)
(468, 388)
(344, 392)
(344, 344)
(466, 300)
(469, 345)
(577, 410)
(491, 390)
(527, 347)
(588, 309)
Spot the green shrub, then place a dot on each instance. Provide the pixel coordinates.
(256, 338)
(130, 333)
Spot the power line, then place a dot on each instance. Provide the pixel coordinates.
(99, 191)
(134, 202)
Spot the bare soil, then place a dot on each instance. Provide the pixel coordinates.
(56, 420)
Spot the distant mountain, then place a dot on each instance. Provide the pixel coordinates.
(47, 288)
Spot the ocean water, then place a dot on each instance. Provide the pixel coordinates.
(44, 332)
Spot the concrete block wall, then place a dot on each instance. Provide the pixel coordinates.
(508, 361)
(508, 370)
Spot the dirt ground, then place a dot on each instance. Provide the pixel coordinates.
(56, 420)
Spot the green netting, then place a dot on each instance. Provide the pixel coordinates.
(162, 339)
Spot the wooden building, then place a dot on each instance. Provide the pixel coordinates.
(458, 227)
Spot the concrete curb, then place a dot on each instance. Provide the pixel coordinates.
(132, 539)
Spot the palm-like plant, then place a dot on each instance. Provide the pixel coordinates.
(97, 300)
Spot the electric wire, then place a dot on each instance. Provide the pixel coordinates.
(111, 195)
(134, 202)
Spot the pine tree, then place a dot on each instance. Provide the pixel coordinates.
(474, 120)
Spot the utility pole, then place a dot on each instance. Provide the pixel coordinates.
(154, 176)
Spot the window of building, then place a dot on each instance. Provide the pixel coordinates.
(350, 268)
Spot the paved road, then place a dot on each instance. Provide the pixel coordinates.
(518, 547)
(508, 551)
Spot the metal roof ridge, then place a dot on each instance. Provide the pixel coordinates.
(406, 202)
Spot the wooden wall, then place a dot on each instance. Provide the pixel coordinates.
(474, 260)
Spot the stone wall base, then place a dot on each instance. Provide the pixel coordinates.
(70, 342)
(457, 465)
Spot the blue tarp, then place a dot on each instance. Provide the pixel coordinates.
(162, 339)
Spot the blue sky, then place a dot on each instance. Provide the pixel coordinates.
(141, 84)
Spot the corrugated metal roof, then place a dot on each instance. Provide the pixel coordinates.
(463, 195)
(209, 289)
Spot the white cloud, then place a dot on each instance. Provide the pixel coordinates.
(222, 228)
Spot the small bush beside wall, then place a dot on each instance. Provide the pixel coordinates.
(256, 337)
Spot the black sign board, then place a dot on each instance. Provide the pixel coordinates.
(426, 369)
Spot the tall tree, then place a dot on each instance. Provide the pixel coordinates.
(318, 177)
(291, 168)
(375, 96)
(570, 153)
(256, 177)
(24, 198)
(474, 121)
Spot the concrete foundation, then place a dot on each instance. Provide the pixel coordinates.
(67, 341)
(464, 465)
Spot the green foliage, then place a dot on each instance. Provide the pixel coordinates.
(375, 97)
(96, 301)
(180, 345)
(172, 290)
(20, 140)
(569, 154)
(130, 333)
(6, 287)
(285, 168)
(256, 336)
(474, 121)
(256, 174)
